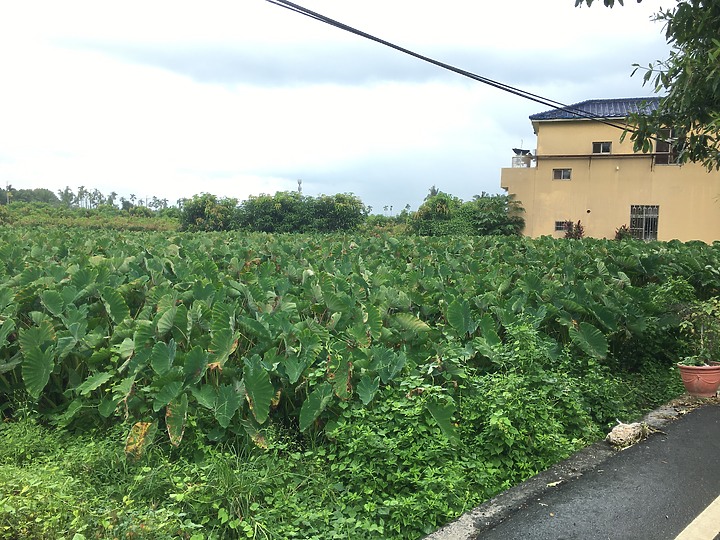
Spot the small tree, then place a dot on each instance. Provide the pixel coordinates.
(574, 231)
(205, 212)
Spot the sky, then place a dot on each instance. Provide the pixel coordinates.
(172, 98)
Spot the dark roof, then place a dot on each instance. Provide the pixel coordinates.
(600, 108)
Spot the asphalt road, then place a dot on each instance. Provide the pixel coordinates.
(650, 491)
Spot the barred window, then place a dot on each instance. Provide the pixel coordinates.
(644, 221)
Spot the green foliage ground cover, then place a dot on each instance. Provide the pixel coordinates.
(279, 386)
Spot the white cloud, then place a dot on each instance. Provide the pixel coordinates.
(235, 98)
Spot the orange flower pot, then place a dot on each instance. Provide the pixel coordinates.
(701, 381)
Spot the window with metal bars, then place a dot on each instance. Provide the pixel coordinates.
(644, 221)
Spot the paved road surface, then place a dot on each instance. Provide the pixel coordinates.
(651, 491)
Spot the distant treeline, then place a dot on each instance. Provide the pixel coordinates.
(285, 212)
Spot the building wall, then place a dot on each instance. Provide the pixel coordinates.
(602, 188)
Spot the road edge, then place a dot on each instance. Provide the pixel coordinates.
(496, 510)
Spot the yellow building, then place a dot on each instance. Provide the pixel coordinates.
(582, 172)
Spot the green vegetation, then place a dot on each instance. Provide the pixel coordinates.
(284, 212)
(316, 386)
(487, 215)
(136, 218)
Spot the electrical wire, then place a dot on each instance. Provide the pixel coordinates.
(495, 84)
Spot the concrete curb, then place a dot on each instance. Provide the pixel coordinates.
(489, 514)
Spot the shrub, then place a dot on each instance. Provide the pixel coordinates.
(206, 212)
(574, 231)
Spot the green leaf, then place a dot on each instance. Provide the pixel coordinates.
(93, 383)
(294, 368)
(115, 305)
(36, 369)
(64, 346)
(374, 322)
(442, 413)
(7, 327)
(36, 336)
(9, 365)
(175, 419)
(166, 394)
(162, 357)
(195, 366)
(166, 321)
(206, 395)
(338, 302)
(72, 409)
(342, 380)
(589, 339)
(367, 388)
(226, 405)
(388, 363)
(460, 317)
(489, 330)
(108, 405)
(260, 390)
(409, 322)
(6, 296)
(53, 302)
(144, 334)
(222, 345)
(315, 404)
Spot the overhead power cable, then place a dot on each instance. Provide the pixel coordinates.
(495, 84)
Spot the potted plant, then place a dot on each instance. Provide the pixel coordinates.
(700, 372)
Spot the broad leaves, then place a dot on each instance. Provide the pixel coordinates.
(589, 339)
(315, 404)
(259, 390)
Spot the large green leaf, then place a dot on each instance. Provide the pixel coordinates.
(409, 322)
(166, 320)
(387, 363)
(226, 404)
(259, 389)
(175, 418)
(162, 357)
(168, 392)
(196, 362)
(589, 339)
(489, 330)
(342, 378)
(316, 403)
(36, 369)
(115, 305)
(374, 322)
(53, 302)
(294, 368)
(460, 317)
(37, 336)
(442, 412)
(222, 345)
(367, 388)
(94, 382)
